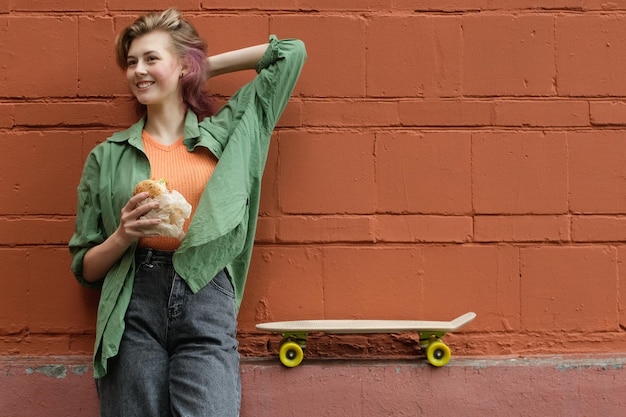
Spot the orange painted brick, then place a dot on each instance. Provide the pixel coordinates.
(411, 228)
(49, 167)
(57, 303)
(284, 283)
(301, 229)
(483, 279)
(597, 173)
(91, 113)
(541, 113)
(246, 5)
(590, 54)
(569, 289)
(342, 5)
(476, 5)
(149, 5)
(446, 113)
(302, 5)
(521, 228)
(437, 5)
(372, 282)
(607, 112)
(533, 4)
(14, 288)
(124, 112)
(326, 172)
(604, 5)
(336, 48)
(621, 253)
(599, 228)
(520, 173)
(265, 230)
(5, 6)
(350, 113)
(57, 6)
(416, 56)
(35, 230)
(38, 344)
(98, 72)
(292, 115)
(42, 72)
(6, 116)
(508, 55)
(269, 184)
(423, 173)
(82, 344)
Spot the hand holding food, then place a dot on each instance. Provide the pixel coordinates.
(173, 209)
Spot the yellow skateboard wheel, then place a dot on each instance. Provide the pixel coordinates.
(291, 354)
(438, 353)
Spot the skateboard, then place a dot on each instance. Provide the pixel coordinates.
(295, 333)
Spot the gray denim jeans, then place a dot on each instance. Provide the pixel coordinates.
(178, 356)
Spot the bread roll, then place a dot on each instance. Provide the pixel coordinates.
(154, 187)
(173, 209)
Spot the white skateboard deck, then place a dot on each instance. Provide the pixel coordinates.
(367, 326)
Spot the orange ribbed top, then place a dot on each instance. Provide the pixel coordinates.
(185, 172)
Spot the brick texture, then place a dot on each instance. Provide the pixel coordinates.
(308, 166)
(49, 68)
(437, 157)
(509, 55)
(519, 173)
(424, 172)
(589, 57)
(416, 56)
(569, 289)
(597, 172)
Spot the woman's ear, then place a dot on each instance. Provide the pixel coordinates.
(184, 70)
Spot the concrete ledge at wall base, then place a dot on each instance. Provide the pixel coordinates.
(555, 386)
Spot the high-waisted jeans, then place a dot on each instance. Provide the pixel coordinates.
(178, 355)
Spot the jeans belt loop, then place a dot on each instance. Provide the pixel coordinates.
(148, 258)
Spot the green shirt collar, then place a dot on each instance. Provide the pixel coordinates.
(133, 134)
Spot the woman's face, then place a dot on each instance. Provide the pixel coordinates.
(153, 70)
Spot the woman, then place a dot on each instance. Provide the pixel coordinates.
(165, 336)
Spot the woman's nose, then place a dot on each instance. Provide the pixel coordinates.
(140, 68)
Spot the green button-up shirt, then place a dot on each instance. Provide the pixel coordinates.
(221, 233)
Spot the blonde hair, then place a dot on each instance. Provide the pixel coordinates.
(187, 44)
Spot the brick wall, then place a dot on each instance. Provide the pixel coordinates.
(437, 158)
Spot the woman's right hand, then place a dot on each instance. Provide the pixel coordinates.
(132, 226)
(99, 259)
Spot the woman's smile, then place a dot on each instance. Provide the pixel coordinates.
(142, 85)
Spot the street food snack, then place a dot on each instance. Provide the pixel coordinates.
(173, 209)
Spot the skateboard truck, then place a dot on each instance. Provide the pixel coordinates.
(437, 353)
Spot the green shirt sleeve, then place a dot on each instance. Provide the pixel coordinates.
(278, 72)
(88, 231)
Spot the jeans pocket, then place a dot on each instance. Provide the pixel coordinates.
(223, 284)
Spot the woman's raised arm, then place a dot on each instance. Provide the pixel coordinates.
(237, 60)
